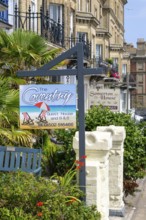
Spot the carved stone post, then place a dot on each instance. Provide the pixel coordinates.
(116, 205)
(98, 145)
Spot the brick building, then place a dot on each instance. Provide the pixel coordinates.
(138, 71)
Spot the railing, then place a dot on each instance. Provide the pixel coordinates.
(41, 24)
(53, 31)
(71, 42)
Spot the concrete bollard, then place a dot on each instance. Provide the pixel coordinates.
(98, 145)
(116, 204)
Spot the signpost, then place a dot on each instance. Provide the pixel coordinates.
(80, 71)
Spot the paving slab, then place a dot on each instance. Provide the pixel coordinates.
(135, 207)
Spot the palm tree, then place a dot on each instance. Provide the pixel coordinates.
(23, 50)
(10, 134)
(20, 50)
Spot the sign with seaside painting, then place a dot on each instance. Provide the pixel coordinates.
(48, 106)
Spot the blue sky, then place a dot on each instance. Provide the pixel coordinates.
(135, 21)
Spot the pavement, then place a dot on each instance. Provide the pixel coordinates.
(135, 206)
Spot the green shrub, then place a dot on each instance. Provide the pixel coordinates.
(24, 197)
(134, 145)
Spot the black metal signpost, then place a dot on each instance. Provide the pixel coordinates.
(80, 71)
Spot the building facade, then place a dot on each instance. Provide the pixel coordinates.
(4, 14)
(138, 71)
(97, 23)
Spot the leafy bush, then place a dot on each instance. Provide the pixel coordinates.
(134, 145)
(23, 197)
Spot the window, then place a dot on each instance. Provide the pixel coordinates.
(124, 98)
(72, 43)
(99, 53)
(140, 89)
(33, 6)
(95, 12)
(115, 60)
(33, 21)
(56, 12)
(140, 78)
(140, 66)
(82, 36)
(124, 69)
(115, 64)
(79, 5)
(140, 100)
(87, 6)
(115, 8)
(71, 22)
(100, 11)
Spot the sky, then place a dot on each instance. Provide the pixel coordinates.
(135, 21)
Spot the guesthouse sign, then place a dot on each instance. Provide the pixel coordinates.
(50, 106)
(106, 97)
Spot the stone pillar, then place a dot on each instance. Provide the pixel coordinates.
(116, 204)
(98, 145)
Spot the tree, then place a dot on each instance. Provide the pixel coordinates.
(20, 50)
(10, 134)
(23, 50)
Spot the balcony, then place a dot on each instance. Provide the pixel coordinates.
(116, 47)
(87, 17)
(3, 5)
(52, 31)
(102, 32)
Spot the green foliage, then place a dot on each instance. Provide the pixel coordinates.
(19, 50)
(22, 196)
(49, 149)
(68, 178)
(65, 156)
(134, 145)
(109, 60)
(10, 134)
(22, 50)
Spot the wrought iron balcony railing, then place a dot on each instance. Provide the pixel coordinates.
(53, 31)
(40, 23)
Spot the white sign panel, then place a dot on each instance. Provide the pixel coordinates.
(105, 97)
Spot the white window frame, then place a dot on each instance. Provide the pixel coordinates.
(59, 11)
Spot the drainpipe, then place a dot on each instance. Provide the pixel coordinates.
(127, 79)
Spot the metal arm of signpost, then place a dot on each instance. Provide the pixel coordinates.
(82, 170)
(79, 72)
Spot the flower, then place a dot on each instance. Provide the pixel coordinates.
(78, 167)
(39, 204)
(83, 157)
(80, 163)
(39, 214)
